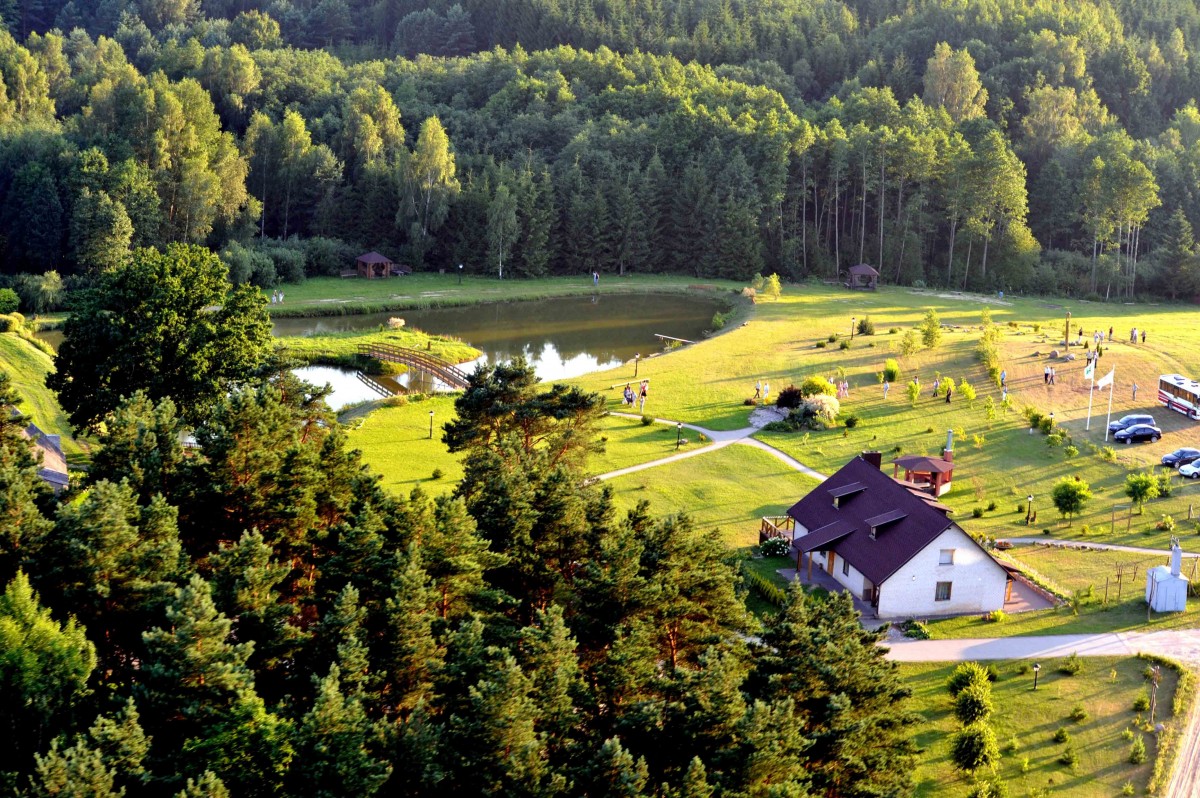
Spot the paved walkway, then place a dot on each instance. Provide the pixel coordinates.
(1180, 644)
(720, 439)
(1083, 544)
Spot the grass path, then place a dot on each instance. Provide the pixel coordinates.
(28, 366)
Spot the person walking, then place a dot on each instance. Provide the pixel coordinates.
(1003, 377)
(1135, 392)
(1003, 394)
(758, 389)
(1133, 336)
(1046, 376)
(1143, 336)
(644, 391)
(949, 391)
(1053, 374)
(766, 391)
(846, 388)
(937, 383)
(1110, 333)
(886, 386)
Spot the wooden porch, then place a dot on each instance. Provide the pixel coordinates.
(777, 526)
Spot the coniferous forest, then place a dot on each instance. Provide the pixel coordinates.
(1024, 145)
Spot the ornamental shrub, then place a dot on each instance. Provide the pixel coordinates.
(974, 703)
(817, 385)
(974, 747)
(866, 326)
(891, 370)
(789, 398)
(963, 676)
(775, 547)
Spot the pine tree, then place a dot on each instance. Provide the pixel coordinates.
(614, 773)
(207, 786)
(140, 443)
(78, 771)
(412, 651)
(852, 698)
(44, 671)
(334, 745)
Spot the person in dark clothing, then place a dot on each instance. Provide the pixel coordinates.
(1143, 336)
(949, 392)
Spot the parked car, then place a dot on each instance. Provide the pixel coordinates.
(1138, 432)
(1130, 420)
(1191, 470)
(1181, 457)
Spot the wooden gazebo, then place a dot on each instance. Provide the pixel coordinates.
(373, 266)
(863, 277)
(931, 473)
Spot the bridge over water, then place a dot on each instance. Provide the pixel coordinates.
(434, 366)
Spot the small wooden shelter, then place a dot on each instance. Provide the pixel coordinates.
(863, 277)
(373, 266)
(931, 473)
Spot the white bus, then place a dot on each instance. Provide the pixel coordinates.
(1180, 394)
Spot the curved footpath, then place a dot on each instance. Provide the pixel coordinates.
(1083, 544)
(720, 439)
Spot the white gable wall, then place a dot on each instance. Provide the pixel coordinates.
(977, 581)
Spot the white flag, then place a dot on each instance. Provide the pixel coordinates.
(1106, 379)
(1089, 371)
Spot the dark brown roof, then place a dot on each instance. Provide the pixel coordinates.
(904, 522)
(863, 268)
(373, 257)
(924, 464)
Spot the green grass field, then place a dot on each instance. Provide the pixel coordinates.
(28, 366)
(728, 489)
(332, 296)
(1106, 688)
(341, 349)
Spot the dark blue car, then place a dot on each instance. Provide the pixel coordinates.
(1138, 432)
(1180, 457)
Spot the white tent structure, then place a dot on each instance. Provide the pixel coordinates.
(1166, 587)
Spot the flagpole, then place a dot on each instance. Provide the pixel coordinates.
(1108, 418)
(1091, 391)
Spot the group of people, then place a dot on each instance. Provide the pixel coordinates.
(1133, 335)
(276, 297)
(629, 398)
(762, 390)
(1048, 375)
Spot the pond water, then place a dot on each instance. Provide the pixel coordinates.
(562, 338)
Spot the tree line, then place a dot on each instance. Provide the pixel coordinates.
(1029, 146)
(255, 615)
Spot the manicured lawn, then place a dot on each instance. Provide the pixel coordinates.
(336, 296)
(396, 445)
(727, 489)
(1025, 722)
(28, 366)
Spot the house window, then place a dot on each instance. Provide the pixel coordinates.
(946, 557)
(845, 567)
(943, 592)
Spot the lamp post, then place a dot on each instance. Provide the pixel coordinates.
(1036, 668)
(460, 274)
(1067, 331)
(678, 434)
(1028, 509)
(636, 359)
(430, 425)
(853, 324)
(1051, 420)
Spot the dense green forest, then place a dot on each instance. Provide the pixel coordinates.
(1016, 144)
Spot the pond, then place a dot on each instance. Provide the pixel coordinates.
(561, 338)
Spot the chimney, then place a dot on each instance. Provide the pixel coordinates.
(948, 452)
(874, 458)
(1176, 557)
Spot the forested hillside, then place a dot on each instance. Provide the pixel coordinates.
(1023, 145)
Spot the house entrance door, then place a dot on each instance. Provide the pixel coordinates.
(830, 559)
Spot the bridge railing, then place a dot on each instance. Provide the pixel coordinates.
(441, 369)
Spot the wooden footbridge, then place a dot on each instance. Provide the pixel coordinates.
(415, 359)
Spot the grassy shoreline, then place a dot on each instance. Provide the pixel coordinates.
(334, 296)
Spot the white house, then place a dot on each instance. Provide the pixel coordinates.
(893, 545)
